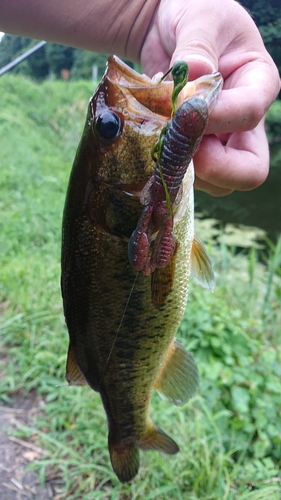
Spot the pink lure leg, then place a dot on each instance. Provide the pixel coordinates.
(139, 246)
(144, 255)
(164, 245)
(139, 242)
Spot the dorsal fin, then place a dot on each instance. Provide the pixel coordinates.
(201, 265)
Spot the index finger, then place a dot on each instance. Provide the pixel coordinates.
(239, 164)
(245, 98)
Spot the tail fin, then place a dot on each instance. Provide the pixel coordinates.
(124, 459)
(156, 439)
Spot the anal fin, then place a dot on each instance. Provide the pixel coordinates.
(73, 373)
(178, 380)
(156, 439)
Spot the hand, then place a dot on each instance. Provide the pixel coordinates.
(219, 35)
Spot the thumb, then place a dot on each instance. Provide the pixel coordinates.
(198, 65)
(196, 37)
(200, 60)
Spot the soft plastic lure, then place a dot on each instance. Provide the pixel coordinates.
(153, 244)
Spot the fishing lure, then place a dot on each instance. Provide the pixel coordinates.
(153, 244)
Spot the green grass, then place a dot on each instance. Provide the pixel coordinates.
(230, 435)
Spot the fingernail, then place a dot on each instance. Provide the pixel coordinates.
(204, 63)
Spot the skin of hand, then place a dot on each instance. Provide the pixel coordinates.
(219, 35)
(210, 35)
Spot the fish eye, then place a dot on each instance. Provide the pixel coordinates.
(108, 124)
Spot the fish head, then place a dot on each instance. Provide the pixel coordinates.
(125, 118)
(126, 115)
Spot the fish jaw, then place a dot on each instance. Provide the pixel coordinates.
(206, 87)
(155, 93)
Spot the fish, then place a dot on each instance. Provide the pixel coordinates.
(122, 323)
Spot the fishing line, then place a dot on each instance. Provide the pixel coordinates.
(119, 327)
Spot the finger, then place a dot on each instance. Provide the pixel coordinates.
(235, 49)
(242, 107)
(210, 188)
(237, 109)
(209, 37)
(198, 52)
(200, 35)
(251, 84)
(241, 164)
(156, 60)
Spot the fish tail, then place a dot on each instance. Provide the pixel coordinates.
(124, 459)
(156, 439)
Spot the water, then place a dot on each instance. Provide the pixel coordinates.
(260, 207)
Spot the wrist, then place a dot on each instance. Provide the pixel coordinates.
(118, 26)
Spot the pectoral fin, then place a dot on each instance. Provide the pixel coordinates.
(178, 380)
(201, 266)
(73, 374)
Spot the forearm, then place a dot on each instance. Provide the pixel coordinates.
(118, 26)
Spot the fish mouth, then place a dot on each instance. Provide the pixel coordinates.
(155, 94)
(208, 87)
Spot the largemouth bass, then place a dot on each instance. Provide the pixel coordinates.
(122, 324)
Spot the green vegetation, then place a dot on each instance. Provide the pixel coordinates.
(230, 435)
(267, 16)
(50, 59)
(273, 124)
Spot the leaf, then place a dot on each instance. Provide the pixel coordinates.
(240, 399)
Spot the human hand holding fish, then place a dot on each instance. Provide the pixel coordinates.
(210, 35)
(219, 35)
